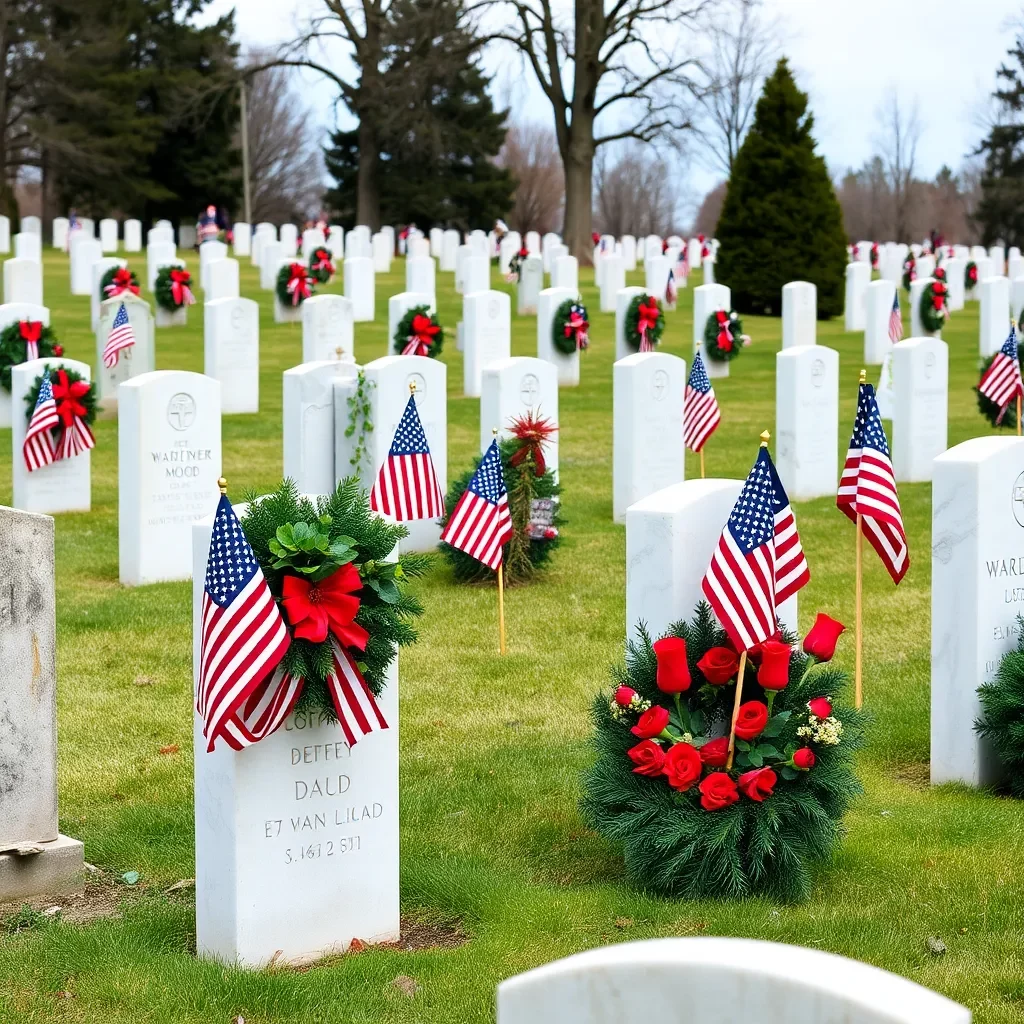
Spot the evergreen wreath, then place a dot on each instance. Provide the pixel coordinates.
(909, 271)
(321, 264)
(531, 547)
(970, 275)
(1002, 712)
(123, 278)
(570, 328)
(294, 285)
(659, 788)
(293, 537)
(515, 265)
(14, 348)
(173, 288)
(996, 417)
(419, 334)
(723, 335)
(934, 309)
(87, 399)
(874, 255)
(644, 312)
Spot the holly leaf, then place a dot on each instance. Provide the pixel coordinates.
(788, 773)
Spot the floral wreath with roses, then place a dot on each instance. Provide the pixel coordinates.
(691, 825)
(723, 335)
(909, 271)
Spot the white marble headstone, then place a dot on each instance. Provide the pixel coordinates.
(955, 282)
(158, 254)
(531, 280)
(398, 306)
(241, 238)
(565, 273)
(613, 280)
(360, 288)
(420, 274)
(131, 362)
(920, 382)
(59, 233)
(879, 296)
(858, 277)
(623, 301)
(96, 296)
(568, 366)
(514, 387)
(994, 293)
(327, 325)
(799, 313)
(380, 246)
(133, 235)
(28, 245)
(221, 279)
(231, 351)
(487, 335)
(708, 299)
(23, 280)
(271, 258)
(288, 236)
(108, 234)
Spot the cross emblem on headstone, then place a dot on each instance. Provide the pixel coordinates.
(181, 411)
(529, 388)
(659, 385)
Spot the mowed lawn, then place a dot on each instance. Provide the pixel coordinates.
(492, 748)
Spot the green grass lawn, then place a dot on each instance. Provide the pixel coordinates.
(492, 749)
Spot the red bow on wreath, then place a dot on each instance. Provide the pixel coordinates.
(939, 297)
(181, 291)
(323, 261)
(76, 437)
(725, 338)
(421, 336)
(31, 332)
(647, 319)
(972, 275)
(121, 283)
(299, 286)
(578, 327)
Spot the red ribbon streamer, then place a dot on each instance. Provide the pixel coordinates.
(299, 286)
(31, 332)
(181, 291)
(421, 337)
(121, 283)
(647, 321)
(578, 327)
(76, 437)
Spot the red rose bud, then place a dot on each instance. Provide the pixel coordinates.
(624, 696)
(58, 350)
(717, 791)
(821, 707)
(651, 723)
(682, 766)
(822, 637)
(715, 753)
(648, 757)
(719, 665)
(774, 671)
(752, 719)
(673, 672)
(804, 759)
(758, 784)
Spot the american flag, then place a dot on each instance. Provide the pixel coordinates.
(406, 487)
(895, 319)
(791, 569)
(670, 289)
(701, 415)
(38, 448)
(243, 639)
(740, 581)
(1002, 381)
(868, 487)
(481, 524)
(121, 336)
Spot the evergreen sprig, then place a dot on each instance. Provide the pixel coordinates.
(1002, 712)
(672, 845)
(13, 349)
(88, 401)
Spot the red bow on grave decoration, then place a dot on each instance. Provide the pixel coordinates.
(705, 252)
(322, 259)
(533, 432)
(31, 332)
(121, 283)
(327, 606)
(299, 286)
(421, 336)
(76, 437)
(578, 327)
(972, 275)
(647, 319)
(938, 296)
(181, 291)
(725, 338)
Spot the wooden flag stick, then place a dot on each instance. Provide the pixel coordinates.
(736, 711)
(702, 462)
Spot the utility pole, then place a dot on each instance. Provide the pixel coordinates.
(246, 191)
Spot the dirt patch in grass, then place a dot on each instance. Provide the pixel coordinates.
(102, 898)
(915, 774)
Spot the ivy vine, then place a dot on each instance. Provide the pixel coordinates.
(359, 423)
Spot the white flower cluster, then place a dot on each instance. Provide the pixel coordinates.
(637, 706)
(826, 731)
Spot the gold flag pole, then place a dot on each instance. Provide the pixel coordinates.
(702, 462)
(765, 438)
(222, 484)
(858, 588)
(501, 589)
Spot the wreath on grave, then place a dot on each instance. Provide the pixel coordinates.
(970, 275)
(294, 284)
(419, 334)
(75, 398)
(173, 288)
(689, 824)
(723, 335)
(645, 323)
(515, 265)
(533, 503)
(874, 255)
(345, 605)
(909, 271)
(321, 264)
(23, 340)
(116, 281)
(1002, 712)
(934, 310)
(570, 327)
(997, 416)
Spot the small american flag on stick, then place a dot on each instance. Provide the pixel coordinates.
(38, 448)
(895, 319)
(701, 414)
(406, 487)
(121, 336)
(480, 523)
(1002, 381)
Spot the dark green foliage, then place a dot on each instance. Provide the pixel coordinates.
(162, 291)
(384, 613)
(318, 256)
(1002, 712)
(566, 343)
(932, 319)
(989, 409)
(670, 843)
(284, 275)
(631, 324)
(781, 220)
(469, 570)
(909, 271)
(13, 349)
(404, 330)
(88, 400)
(712, 329)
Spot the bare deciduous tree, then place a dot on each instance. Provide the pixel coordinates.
(531, 154)
(899, 132)
(633, 192)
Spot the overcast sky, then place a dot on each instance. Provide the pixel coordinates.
(846, 54)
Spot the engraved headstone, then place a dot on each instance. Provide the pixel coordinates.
(399, 305)
(487, 335)
(514, 387)
(327, 326)
(567, 365)
(359, 287)
(920, 383)
(231, 351)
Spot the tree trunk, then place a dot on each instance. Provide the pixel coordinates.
(367, 193)
(579, 186)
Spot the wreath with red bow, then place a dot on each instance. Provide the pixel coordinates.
(75, 398)
(1002, 416)
(419, 334)
(723, 335)
(515, 265)
(934, 309)
(321, 264)
(116, 281)
(570, 328)
(294, 284)
(644, 324)
(346, 605)
(874, 255)
(689, 823)
(909, 271)
(23, 340)
(173, 288)
(970, 275)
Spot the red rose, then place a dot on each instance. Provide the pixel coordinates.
(821, 640)
(648, 757)
(719, 665)
(804, 758)
(624, 696)
(717, 791)
(752, 719)
(651, 723)
(821, 707)
(673, 672)
(758, 784)
(682, 766)
(774, 671)
(715, 753)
